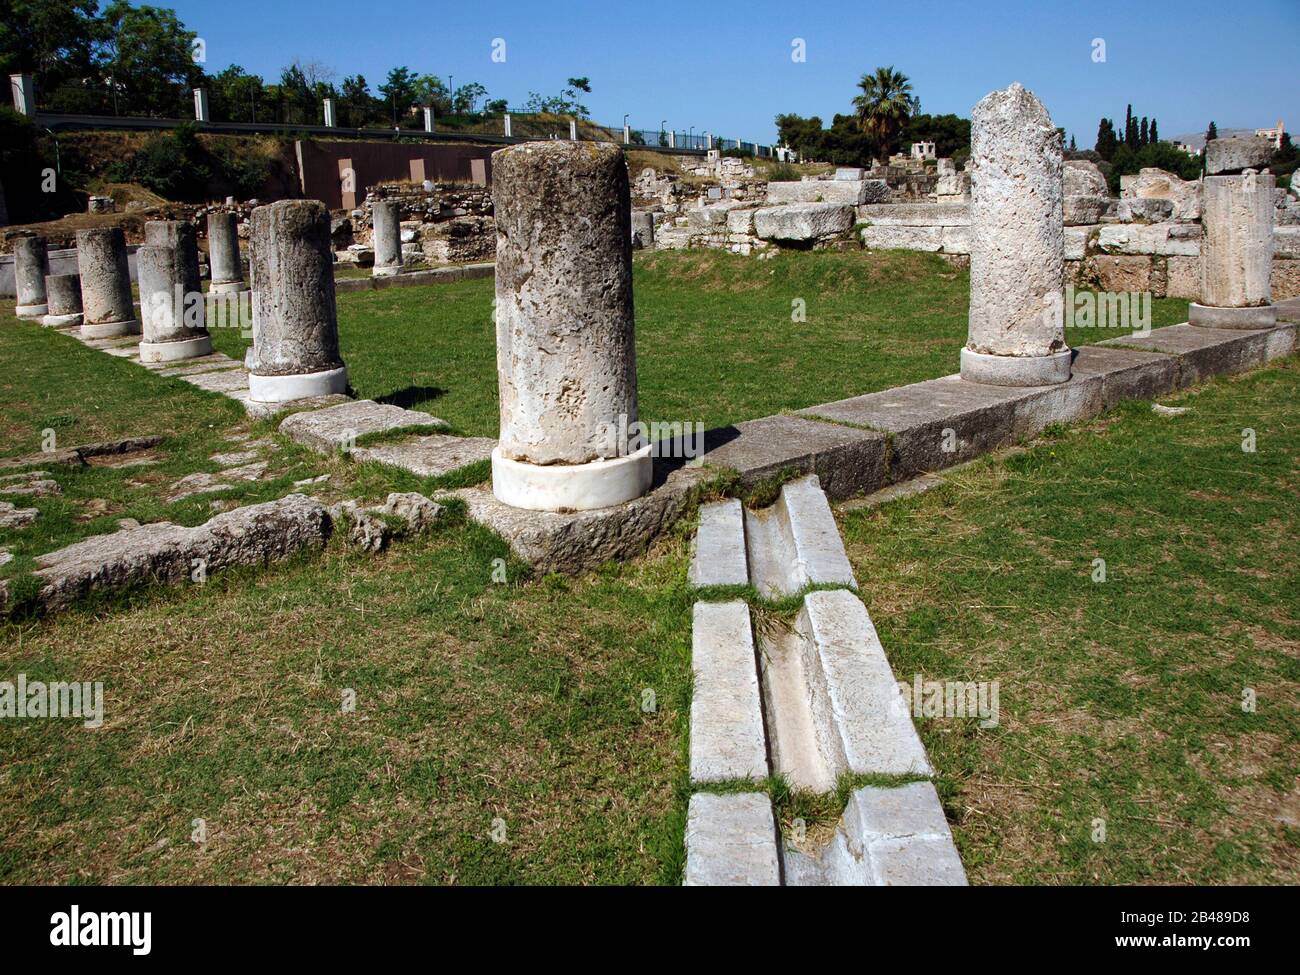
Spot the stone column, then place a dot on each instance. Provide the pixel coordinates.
(566, 351)
(295, 328)
(386, 237)
(63, 295)
(1236, 253)
(223, 253)
(105, 284)
(171, 303)
(1017, 242)
(31, 264)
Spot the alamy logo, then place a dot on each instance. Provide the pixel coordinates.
(73, 929)
(57, 699)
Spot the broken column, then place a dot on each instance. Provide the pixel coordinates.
(105, 284)
(223, 253)
(295, 351)
(171, 296)
(31, 265)
(386, 234)
(63, 295)
(1017, 245)
(566, 351)
(1237, 246)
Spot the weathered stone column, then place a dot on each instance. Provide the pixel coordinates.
(63, 295)
(31, 265)
(566, 351)
(1017, 242)
(105, 284)
(223, 253)
(295, 328)
(1237, 245)
(171, 304)
(386, 236)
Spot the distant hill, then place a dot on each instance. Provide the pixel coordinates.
(1197, 139)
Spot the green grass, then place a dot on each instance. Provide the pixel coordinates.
(522, 701)
(1119, 700)
(715, 339)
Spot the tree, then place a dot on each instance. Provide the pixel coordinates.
(1144, 133)
(53, 40)
(949, 133)
(580, 84)
(356, 104)
(1212, 132)
(296, 98)
(430, 92)
(1107, 141)
(1073, 147)
(462, 102)
(1155, 137)
(234, 95)
(885, 105)
(399, 91)
(147, 56)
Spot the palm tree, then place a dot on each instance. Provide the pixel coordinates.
(885, 105)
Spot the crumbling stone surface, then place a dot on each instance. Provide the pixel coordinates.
(12, 516)
(1017, 226)
(338, 427)
(1227, 156)
(566, 357)
(166, 553)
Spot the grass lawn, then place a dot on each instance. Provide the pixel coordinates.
(521, 702)
(1120, 700)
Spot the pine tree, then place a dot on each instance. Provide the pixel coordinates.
(1106, 141)
(1073, 147)
(1143, 133)
(1130, 129)
(1154, 136)
(1212, 132)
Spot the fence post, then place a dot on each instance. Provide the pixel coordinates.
(24, 93)
(201, 105)
(507, 122)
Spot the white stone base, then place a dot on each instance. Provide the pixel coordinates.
(32, 311)
(571, 487)
(174, 351)
(62, 321)
(387, 271)
(1015, 370)
(1208, 316)
(285, 389)
(226, 287)
(109, 330)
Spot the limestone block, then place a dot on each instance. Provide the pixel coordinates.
(1227, 156)
(803, 221)
(905, 238)
(1082, 177)
(731, 841)
(915, 214)
(852, 192)
(1237, 215)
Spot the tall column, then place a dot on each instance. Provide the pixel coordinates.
(573, 130)
(295, 326)
(1237, 247)
(201, 105)
(105, 284)
(63, 295)
(428, 119)
(386, 236)
(672, 140)
(566, 350)
(627, 135)
(507, 125)
(329, 112)
(223, 253)
(31, 264)
(1017, 260)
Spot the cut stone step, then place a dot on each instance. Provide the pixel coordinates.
(832, 702)
(887, 837)
(731, 841)
(334, 427)
(727, 739)
(794, 543)
(719, 558)
(429, 456)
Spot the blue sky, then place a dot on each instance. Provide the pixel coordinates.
(727, 67)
